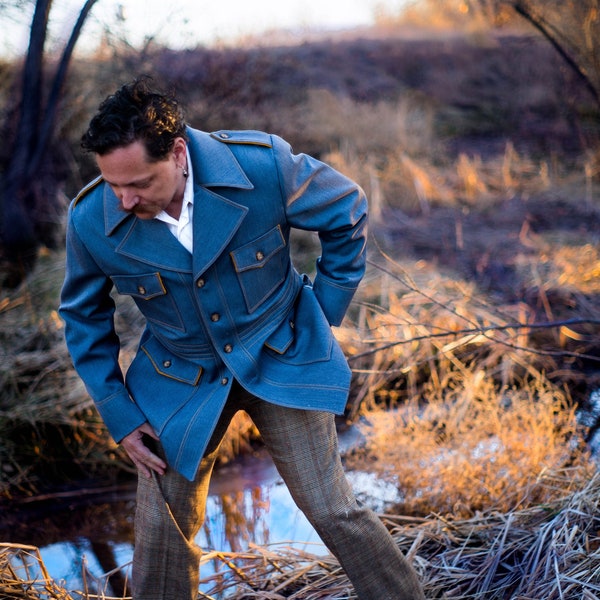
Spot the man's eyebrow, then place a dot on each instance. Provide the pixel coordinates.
(131, 183)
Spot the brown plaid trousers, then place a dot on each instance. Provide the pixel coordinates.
(303, 445)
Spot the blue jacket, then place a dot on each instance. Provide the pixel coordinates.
(236, 308)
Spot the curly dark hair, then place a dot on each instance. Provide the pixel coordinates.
(136, 112)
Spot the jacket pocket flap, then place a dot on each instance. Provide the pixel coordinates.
(281, 339)
(143, 286)
(305, 336)
(256, 253)
(168, 364)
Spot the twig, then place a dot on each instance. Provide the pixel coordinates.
(475, 329)
(488, 328)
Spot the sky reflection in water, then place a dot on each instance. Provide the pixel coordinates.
(248, 504)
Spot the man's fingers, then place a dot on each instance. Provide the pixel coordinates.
(143, 458)
(148, 460)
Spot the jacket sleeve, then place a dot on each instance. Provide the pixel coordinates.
(87, 309)
(319, 198)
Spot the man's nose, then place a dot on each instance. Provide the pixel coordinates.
(129, 199)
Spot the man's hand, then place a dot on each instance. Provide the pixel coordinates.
(143, 458)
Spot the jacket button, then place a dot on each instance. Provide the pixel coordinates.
(259, 255)
(141, 290)
(215, 317)
(200, 283)
(166, 364)
(224, 136)
(228, 348)
(224, 381)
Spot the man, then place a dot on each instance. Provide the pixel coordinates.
(195, 228)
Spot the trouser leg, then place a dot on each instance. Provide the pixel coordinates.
(304, 447)
(165, 558)
(169, 513)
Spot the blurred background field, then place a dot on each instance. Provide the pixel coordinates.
(474, 337)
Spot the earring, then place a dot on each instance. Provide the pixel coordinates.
(185, 173)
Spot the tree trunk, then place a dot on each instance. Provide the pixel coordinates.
(21, 193)
(18, 237)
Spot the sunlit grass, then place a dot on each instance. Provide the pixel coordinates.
(475, 448)
(466, 406)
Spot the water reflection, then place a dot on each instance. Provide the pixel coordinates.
(248, 504)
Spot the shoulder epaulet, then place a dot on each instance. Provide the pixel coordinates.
(256, 138)
(87, 189)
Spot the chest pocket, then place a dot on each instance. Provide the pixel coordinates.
(150, 294)
(261, 266)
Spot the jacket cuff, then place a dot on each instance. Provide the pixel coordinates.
(120, 414)
(333, 298)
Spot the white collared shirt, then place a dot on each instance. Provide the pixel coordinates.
(182, 228)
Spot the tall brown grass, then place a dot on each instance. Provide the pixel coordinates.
(476, 422)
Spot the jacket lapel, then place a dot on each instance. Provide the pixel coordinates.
(146, 240)
(150, 241)
(216, 219)
(214, 164)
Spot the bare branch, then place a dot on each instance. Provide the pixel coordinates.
(483, 330)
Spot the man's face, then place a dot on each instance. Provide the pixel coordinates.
(145, 188)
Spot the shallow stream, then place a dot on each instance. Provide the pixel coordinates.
(248, 504)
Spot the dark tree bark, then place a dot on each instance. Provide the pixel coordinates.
(23, 196)
(17, 229)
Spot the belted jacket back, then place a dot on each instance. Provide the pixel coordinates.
(234, 308)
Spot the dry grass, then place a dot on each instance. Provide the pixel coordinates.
(24, 575)
(479, 431)
(468, 406)
(415, 178)
(475, 450)
(550, 551)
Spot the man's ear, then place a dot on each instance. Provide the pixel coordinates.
(179, 148)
